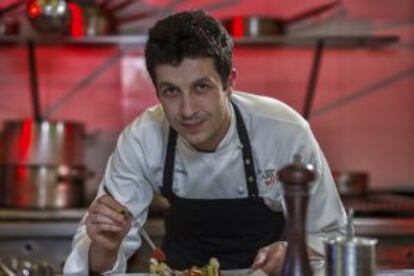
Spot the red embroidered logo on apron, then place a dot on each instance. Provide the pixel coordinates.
(268, 176)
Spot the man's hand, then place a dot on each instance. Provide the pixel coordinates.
(106, 226)
(270, 258)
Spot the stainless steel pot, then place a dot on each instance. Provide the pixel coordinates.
(29, 142)
(42, 186)
(253, 26)
(41, 164)
(48, 16)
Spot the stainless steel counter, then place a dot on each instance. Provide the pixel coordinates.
(384, 226)
(41, 235)
(7, 214)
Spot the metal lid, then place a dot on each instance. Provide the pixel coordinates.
(354, 241)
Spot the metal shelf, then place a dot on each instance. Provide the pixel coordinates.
(92, 41)
(338, 41)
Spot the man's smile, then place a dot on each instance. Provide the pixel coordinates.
(193, 126)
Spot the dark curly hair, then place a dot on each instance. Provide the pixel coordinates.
(189, 34)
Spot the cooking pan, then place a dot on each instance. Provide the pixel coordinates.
(351, 183)
(262, 26)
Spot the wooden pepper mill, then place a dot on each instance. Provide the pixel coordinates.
(295, 178)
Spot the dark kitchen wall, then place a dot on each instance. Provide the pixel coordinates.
(362, 113)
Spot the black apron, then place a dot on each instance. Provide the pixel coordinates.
(231, 230)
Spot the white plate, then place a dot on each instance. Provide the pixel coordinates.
(317, 265)
(237, 272)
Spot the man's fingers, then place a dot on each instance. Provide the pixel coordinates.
(270, 258)
(273, 263)
(103, 213)
(98, 218)
(260, 259)
(102, 227)
(111, 203)
(106, 242)
(102, 223)
(274, 259)
(106, 224)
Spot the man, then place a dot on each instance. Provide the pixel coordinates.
(214, 154)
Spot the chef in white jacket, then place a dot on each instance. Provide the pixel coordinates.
(214, 154)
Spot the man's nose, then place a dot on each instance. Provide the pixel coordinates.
(188, 106)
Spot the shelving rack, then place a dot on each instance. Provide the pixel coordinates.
(318, 43)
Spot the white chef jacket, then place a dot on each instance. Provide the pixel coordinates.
(277, 133)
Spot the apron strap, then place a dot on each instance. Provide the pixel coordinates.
(167, 180)
(247, 154)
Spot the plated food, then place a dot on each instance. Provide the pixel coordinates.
(158, 268)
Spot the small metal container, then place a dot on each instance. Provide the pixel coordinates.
(353, 256)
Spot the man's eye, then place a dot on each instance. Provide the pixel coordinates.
(202, 87)
(170, 91)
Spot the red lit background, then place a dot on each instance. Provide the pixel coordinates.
(373, 133)
(76, 25)
(33, 10)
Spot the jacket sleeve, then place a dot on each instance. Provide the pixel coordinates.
(126, 178)
(326, 215)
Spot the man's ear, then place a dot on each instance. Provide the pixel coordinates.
(232, 80)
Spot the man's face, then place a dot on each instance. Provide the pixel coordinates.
(194, 101)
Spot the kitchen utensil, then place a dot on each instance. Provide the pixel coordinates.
(253, 26)
(261, 26)
(49, 16)
(350, 224)
(350, 256)
(295, 179)
(157, 253)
